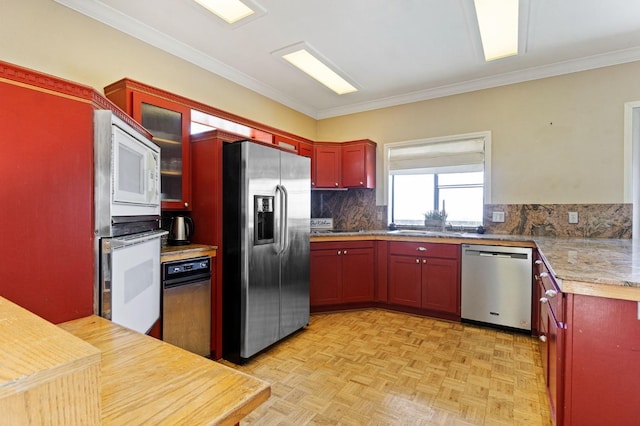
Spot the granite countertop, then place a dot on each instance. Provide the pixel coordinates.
(595, 267)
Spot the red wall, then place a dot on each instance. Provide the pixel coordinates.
(46, 215)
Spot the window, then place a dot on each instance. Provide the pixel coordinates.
(451, 174)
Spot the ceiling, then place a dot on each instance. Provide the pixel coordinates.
(396, 51)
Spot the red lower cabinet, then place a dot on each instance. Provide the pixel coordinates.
(326, 276)
(440, 285)
(405, 276)
(550, 314)
(425, 276)
(603, 361)
(342, 273)
(590, 348)
(357, 274)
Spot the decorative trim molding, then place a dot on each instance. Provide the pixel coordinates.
(115, 19)
(27, 77)
(101, 102)
(57, 86)
(181, 100)
(530, 74)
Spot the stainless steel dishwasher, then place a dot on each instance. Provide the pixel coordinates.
(497, 286)
(186, 304)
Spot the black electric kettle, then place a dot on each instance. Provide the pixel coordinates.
(180, 230)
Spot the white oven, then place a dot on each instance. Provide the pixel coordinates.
(130, 280)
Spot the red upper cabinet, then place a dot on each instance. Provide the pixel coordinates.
(359, 164)
(169, 123)
(327, 165)
(344, 165)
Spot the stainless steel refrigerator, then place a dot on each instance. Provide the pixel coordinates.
(265, 247)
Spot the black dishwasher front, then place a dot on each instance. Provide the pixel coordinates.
(186, 304)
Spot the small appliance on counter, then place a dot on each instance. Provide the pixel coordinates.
(180, 231)
(319, 224)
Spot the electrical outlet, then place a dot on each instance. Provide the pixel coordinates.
(573, 217)
(498, 217)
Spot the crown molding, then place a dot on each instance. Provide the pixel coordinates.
(107, 15)
(115, 19)
(529, 74)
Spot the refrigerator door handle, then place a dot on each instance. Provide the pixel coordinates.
(284, 218)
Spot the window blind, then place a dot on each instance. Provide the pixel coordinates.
(437, 157)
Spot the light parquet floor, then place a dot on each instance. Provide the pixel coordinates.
(375, 367)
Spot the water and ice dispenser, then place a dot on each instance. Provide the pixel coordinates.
(264, 221)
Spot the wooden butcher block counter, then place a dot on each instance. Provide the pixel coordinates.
(171, 253)
(147, 381)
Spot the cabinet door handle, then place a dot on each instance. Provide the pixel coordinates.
(186, 204)
(421, 248)
(542, 338)
(550, 293)
(339, 252)
(337, 184)
(544, 300)
(538, 262)
(344, 252)
(424, 260)
(417, 260)
(543, 275)
(361, 183)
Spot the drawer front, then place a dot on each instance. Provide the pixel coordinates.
(549, 290)
(341, 245)
(448, 251)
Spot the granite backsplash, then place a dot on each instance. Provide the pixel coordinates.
(351, 210)
(552, 220)
(355, 210)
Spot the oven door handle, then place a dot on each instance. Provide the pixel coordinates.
(129, 240)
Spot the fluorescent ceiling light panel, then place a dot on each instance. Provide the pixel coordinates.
(498, 23)
(303, 59)
(229, 10)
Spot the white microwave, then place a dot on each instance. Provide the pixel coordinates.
(136, 170)
(127, 171)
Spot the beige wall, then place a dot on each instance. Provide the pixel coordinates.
(51, 38)
(556, 140)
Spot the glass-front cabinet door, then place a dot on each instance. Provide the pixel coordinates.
(168, 122)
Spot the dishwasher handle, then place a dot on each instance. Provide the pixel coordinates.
(496, 254)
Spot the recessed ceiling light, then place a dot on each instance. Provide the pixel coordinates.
(229, 10)
(498, 23)
(306, 59)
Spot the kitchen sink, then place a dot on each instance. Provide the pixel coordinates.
(419, 232)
